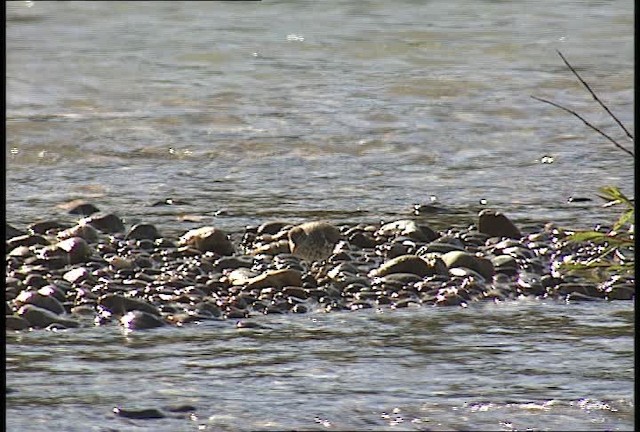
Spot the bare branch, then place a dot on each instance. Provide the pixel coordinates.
(593, 94)
(587, 123)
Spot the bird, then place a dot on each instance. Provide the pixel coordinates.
(313, 241)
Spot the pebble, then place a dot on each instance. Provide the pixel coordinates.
(64, 275)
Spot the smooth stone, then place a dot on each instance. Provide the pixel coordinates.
(496, 224)
(362, 240)
(504, 261)
(49, 303)
(13, 322)
(83, 310)
(119, 305)
(82, 208)
(26, 240)
(138, 414)
(408, 228)
(106, 223)
(87, 232)
(421, 266)
(21, 251)
(621, 292)
(139, 320)
(235, 262)
(567, 288)
(208, 239)
(12, 231)
(41, 318)
(143, 232)
(313, 241)
(273, 248)
(439, 247)
(276, 279)
(74, 250)
(53, 291)
(44, 226)
(271, 228)
(77, 275)
(464, 259)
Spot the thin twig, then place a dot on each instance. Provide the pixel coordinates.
(593, 94)
(587, 123)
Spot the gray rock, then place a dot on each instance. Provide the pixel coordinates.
(496, 224)
(414, 264)
(464, 259)
(139, 320)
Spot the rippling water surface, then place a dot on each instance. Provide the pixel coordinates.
(525, 365)
(352, 111)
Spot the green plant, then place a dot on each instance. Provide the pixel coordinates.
(612, 251)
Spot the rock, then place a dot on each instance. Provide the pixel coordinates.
(42, 318)
(106, 223)
(44, 226)
(77, 275)
(49, 303)
(408, 228)
(313, 241)
(208, 239)
(275, 279)
(26, 240)
(273, 248)
(464, 259)
(81, 208)
(87, 232)
(271, 228)
(362, 240)
(421, 266)
(74, 250)
(11, 232)
(138, 414)
(143, 232)
(119, 305)
(13, 322)
(496, 224)
(139, 320)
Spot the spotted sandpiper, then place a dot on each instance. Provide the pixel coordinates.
(313, 241)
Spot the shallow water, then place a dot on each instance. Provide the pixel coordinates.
(293, 110)
(524, 365)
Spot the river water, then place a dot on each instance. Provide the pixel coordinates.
(243, 112)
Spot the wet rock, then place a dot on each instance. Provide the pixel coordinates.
(421, 266)
(143, 232)
(49, 303)
(271, 228)
(208, 239)
(12, 231)
(275, 279)
(13, 322)
(82, 208)
(106, 223)
(313, 241)
(119, 305)
(42, 318)
(46, 226)
(464, 259)
(26, 240)
(139, 320)
(362, 240)
(138, 414)
(496, 224)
